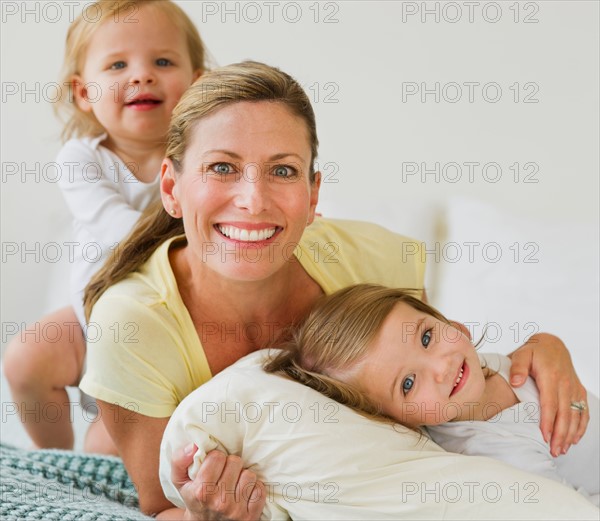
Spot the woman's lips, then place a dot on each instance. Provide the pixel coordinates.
(462, 376)
(251, 235)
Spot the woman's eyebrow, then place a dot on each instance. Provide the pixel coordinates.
(275, 157)
(222, 151)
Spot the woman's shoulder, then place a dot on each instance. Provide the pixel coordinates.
(337, 253)
(129, 300)
(150, 286)
(349, 230)
(347, 239)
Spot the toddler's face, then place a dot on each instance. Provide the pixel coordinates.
(136, 68)
(421, 370)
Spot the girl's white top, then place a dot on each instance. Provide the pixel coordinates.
(513, 436)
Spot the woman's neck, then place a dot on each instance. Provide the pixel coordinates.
(279, 301)
(142, 158)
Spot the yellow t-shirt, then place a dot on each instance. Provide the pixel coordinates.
(144, 353)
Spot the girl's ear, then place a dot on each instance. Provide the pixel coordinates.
(80, 94)
(168, 191)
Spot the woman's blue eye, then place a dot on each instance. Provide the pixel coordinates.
(118, 65)
(283, 171)
(426, 338)
(408, 383)
(221, 168)
(163, 62)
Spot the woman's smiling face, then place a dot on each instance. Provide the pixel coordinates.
(244, 189)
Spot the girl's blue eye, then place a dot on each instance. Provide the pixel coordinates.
(163, 62)
(118, 65)
(426, 338)
(408, 383)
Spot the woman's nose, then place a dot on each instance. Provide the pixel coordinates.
(252, 190)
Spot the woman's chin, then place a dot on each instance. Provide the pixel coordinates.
(247, 272)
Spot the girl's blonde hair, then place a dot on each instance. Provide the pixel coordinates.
(77, 122)
(336, 336)
(242, 82)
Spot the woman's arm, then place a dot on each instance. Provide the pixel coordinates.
(545, 358)
(138, 439)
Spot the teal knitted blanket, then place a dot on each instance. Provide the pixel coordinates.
(64, 485)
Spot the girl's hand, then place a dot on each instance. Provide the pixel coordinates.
(547, 360)
(222, 490)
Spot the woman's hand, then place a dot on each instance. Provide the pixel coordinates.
(222, 489)
(547, 360)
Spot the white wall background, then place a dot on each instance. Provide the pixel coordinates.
(358, 61)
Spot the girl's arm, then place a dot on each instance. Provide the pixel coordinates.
(545, 358)
(138, 439)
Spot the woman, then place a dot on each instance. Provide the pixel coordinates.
(236, 259)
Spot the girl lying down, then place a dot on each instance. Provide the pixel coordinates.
(319, 459)
(385, 353)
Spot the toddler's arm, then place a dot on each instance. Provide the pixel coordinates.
(93, 196)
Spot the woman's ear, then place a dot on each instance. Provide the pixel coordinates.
(80, 94)
(315, 186)
(168, 190)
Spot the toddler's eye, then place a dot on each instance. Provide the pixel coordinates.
(408, 383)
(163, 62)
(426, 338)
(118, 65)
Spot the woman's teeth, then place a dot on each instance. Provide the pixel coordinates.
(241, 234)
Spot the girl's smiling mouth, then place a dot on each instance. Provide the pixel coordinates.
(461, 378)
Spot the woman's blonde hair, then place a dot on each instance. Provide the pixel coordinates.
(242, 82)
(77, 122)
(336, 336)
